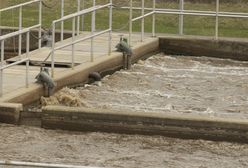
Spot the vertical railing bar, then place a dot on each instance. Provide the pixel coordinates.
(217, 19)
(130, 22)
(83, 16)
(40, 22)
(181, 17)
(2, 64)
(73, 39)
(62, 22)
(154, 19)
(53, 46)
(27, 44)
(20, 36)
(92, 32)
(143, 20)
(78, 18)
(110, 26)
(27, 73)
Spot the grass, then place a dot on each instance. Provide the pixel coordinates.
(193, 25)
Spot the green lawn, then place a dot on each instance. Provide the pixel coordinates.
(193, 25)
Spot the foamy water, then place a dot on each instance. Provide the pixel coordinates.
(172, 84)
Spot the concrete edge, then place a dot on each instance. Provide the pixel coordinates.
(10, 112)
(154, 123)
(80, 73)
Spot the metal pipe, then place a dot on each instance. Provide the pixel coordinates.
(27, 73)
(1, 70)
(93, 17)
(62, 23)
(73, 45)
(40, 23)
(53, 46)
(19, 5)
(142, 20)
(130, 22)
(27, 44)
(78, 18)
(13, 34)
(20, 35)
(110, 26)
(181, 6)
(83, 17)
(217, 19)
(32, 164)
(141, 17)
(14, 63)
(154, 19)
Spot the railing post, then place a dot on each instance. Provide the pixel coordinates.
(78, 18)
(110, 26)
(20, 36)
(40, 22)
(154, 19)
(181, 17)
(73, 39)
(130, 22)
(53, 47)
(1, 71)
(217, 19)
(83, 17)
(93, 19)
(143, 20)
(27, 73)
(62, 23)
(27, 44)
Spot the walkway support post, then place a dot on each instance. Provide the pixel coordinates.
(154, 19)
(110, 26)
(217, 19)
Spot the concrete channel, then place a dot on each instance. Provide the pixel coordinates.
(82, 119)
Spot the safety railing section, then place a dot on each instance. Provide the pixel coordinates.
(21, 32)
(20, 20)
(75, 31)
(180, 12)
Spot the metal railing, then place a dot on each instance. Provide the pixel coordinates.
(22, 60)
(20, 20)
(75, 40)
(180, 12)
(19, 33)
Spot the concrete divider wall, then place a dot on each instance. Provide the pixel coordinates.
(10, 112)
(83, 119)
(236, 49)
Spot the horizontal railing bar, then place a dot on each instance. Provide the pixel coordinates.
(16, 33)
(85, 11)
(191, 11)
(83, 39)
(141, 17)
(19, 5)
(15, 63)
(202, 14)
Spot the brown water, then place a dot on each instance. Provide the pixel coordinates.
(169, 84)
(114, 150)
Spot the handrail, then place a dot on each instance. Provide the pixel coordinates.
(74, 41)
(19, 5)
(181, 12)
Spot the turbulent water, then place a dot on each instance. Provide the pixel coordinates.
(115, 150)
(166, 84)
(169, 84)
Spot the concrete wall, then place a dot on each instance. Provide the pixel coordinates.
(236, 49)
(152, 123)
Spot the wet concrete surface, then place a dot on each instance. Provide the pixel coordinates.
(169, 84)
(22, 143)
